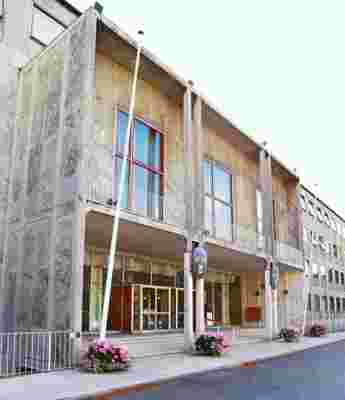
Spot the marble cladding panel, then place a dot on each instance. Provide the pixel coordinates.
(75, 89)
(47, 177)
(33, 182)
(2, 232)
(56, 70)
(14, 242)
(40, 299)
(63, 273)
(8, 98)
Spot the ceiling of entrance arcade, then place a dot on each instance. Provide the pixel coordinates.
(134, 238)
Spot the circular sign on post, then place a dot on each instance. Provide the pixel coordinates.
(199, 261)
(274, 275)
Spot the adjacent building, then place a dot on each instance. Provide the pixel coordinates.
(324, 257)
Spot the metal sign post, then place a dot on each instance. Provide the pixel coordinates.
(107, 293)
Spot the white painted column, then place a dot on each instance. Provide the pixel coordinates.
(268, 306)
(188, 302)
(274, 312)
(286, 299)
(189, 204)
(199, 306)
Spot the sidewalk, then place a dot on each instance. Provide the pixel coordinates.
(71, 384)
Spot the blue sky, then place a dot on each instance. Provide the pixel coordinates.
(276, 68)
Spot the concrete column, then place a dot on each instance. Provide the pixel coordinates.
(286, 299)
(200, 303)
(188, 303)
(189, 223)
(268, 306)
(275, 312)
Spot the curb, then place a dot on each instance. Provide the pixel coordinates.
(155, 384)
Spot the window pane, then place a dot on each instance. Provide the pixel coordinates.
(208, 214)
(222, 220)
(44, 28)
(221, 181)
(126, 186)
(141, 142)
(207, 177)
(147, 197)
(140, 190)
(155, 150)
(122, 122)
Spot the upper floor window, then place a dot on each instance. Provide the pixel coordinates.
(144, 169)
(335, 251)
(305, 234)
(311, 208)
(327, 220)
(333, 226)
(342, 278)
(2, 8)
(336, 277)
(315, 271)
(330, 276)
(307, 267)
(319, 214)
(303, 203)
(45, 27)
(218, 199)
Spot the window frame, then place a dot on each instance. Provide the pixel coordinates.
(212, 162)
(51, 17)
(132, 162)
(2, 8)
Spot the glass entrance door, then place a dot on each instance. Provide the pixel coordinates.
(156, 308)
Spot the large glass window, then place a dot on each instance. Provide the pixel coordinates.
(45, 28)
(218, 200)
(144, 174)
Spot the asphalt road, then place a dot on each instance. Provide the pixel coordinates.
(308, 375)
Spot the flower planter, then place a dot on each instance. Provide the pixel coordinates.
(212, 344)
(289, 335)
(104, 357)
(317, 330)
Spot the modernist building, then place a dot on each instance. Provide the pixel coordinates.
(189, 169)
(324, 254)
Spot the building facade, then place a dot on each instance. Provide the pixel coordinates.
(324, 254)
(189, 170)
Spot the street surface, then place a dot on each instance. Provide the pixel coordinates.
(309, 375)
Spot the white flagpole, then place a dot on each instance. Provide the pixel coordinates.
(107, 293)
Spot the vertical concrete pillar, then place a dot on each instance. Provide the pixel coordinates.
(275, 312)
(265, 170)
(200, 304)
(198, 153)
(189, 206)
(286, 298)
(268, 306)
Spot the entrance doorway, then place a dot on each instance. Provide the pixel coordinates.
(235, 303)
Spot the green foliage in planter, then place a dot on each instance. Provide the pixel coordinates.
(212, 344)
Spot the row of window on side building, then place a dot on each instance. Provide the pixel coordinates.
(329, 304)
